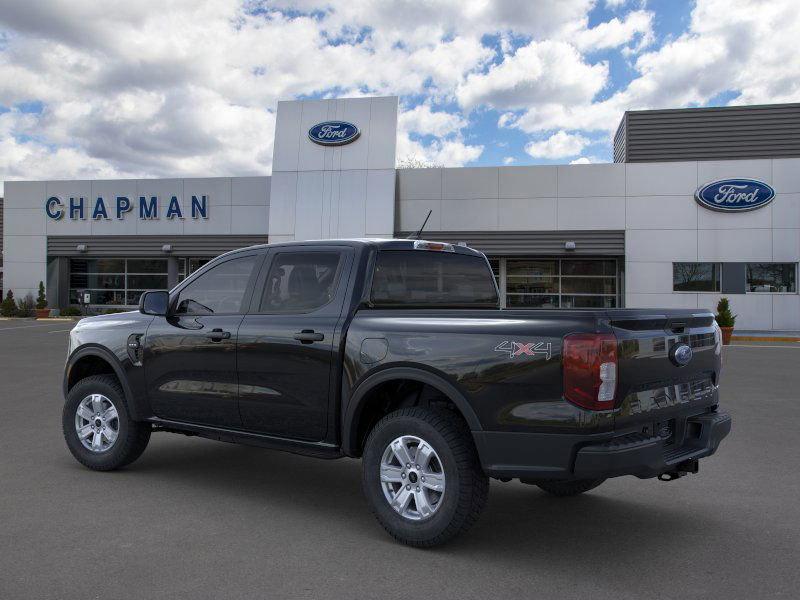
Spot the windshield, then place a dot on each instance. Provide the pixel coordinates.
(422, 278)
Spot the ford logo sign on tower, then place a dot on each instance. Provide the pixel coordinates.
(333, 133)
(735, 195)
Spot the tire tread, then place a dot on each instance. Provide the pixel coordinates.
(475, 491)
(133, 444)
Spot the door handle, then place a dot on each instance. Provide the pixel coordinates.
(308, 335)
(217, 335)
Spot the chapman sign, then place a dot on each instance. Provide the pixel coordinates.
(333, 133)
(147, 208)
(735, 195)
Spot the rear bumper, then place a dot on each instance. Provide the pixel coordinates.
(566, 456)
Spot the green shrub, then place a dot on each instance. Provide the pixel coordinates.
(25, 306)
(113, 311)
(725, 318)
(8, 307)
(71, 311)
(41, 299)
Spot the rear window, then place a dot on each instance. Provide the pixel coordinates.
(422, 278)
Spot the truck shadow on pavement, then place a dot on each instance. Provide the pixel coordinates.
(520, 522)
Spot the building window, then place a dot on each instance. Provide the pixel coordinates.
(187, 266)
(561, 283)
(696, 277)
(116, 281)
(495, 264)
(772, 277)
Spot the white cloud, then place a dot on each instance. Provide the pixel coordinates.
(509, 160)
(447, 153)
(539, 72)
(559, 145)
(616, 32)
(587, 160)
(423, 120)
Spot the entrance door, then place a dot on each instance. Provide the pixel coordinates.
(288, 343)
(190, 355)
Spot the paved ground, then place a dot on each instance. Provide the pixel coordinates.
(200, 519)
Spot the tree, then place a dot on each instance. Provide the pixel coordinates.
(25, 306)
(8, 308)
(41, 299)
(412, 161)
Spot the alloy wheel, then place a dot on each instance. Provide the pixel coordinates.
(412, 478)
(97, 423)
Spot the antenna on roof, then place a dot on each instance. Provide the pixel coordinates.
(418, 232)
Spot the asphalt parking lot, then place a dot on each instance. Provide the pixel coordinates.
(201, 519)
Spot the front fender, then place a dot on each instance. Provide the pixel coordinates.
(356, 400)
(137, 412)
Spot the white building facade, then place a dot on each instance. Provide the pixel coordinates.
(606, 235)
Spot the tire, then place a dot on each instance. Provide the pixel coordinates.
(453, 462)
(131, 436)
(563, 489)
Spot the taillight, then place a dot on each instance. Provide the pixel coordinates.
(590, 370)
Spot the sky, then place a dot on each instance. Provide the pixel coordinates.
(180, 88)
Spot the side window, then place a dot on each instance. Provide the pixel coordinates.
(220, 290)
(300, 281)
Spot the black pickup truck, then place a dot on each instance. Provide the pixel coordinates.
(395, 351)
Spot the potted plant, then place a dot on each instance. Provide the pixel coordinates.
(42, 311)
(725, 320)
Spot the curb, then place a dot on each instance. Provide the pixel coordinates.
(53, 319)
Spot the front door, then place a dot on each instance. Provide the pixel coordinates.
(287, 344)
(190, 355)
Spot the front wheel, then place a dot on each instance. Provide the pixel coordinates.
(422, 476)
(97, 427)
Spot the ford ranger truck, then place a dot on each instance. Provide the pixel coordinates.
(396, 352)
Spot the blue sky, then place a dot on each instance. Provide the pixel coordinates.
(162, 88)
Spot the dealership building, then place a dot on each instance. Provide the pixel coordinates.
(699, 204)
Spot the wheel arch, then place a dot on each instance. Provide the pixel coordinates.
(95, 360)
(362, 395)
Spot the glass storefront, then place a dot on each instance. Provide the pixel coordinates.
(120, 281)
(557, 282)
(116, 281)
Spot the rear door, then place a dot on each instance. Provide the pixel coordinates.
(288, 343)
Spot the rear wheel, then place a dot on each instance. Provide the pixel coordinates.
(97, 427)
(422, 477)
(568, 488)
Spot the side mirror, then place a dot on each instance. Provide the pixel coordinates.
(154, 303)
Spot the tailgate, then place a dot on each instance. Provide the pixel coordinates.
(656, 391)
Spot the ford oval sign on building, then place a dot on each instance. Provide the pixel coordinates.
(735, 195)
(333, 133)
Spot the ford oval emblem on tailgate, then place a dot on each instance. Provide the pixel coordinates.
(681, 354)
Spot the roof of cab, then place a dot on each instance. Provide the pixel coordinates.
(380, 243)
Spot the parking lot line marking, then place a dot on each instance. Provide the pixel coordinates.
(59, 330)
